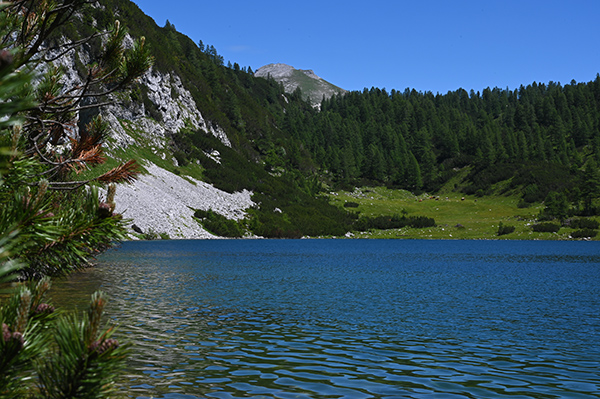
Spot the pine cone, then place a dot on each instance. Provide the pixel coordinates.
(103, 346)
(16, 336)
(44, 308)
(104, 210)
(6, 334)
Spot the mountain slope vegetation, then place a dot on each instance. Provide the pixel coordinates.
(540, 135)
(539, 139)
(263, 156)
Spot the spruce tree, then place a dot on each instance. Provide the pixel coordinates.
(591, 186)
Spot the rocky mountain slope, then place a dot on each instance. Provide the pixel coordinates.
(191, 119)
(200, 131)
(158, 202)
(313, 87)
(161, 202)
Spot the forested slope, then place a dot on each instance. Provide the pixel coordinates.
(416, 140)
(263, 157)
(541, 138)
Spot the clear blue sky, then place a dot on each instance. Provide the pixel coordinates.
(428, 45)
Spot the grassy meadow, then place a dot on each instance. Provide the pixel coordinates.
(456, 216)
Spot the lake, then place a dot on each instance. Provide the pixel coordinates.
(352, 318)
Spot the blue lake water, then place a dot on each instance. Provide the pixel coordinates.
(353, 318)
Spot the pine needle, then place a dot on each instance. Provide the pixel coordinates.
(124, 173)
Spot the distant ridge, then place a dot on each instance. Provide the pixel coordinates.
(313, 87)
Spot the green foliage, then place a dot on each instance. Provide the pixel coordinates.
(300, 213)
(49, 354)
(539, 180)
(497, 130)
(51, 223)
(164, 236)
(46, 353)
(351, 204)
(557, 207)
(546, 227)
(55, 223)
(583, 223)
(584, 233)
(536, 137)
(297, 217)
(591, 187)
(85, 358)
(532, 194)
(57, 231)
(417, 137)
(482, 178)
(393, 222)
(249, 109)
(505, 229)
(151, 234)
(219, 224)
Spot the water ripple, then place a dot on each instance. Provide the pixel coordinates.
(203, 328)
(236, 355)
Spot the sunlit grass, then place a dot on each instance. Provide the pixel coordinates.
(456, 216)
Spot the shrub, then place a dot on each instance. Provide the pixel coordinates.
(584, 233)
(532, 194)
(393, 222)
(53, 226)
(546, 227)
(505, 229)
(420, 221)
(218, 224)
(350, 204)
(482, 178)
(181, 158)
(539, 179)
(583, 223)
(150, 235)
(45, 353)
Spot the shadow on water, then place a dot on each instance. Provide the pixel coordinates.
(351, 318)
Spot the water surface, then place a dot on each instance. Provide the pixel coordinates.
(353, 318)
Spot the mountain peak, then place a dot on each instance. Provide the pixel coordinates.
(275, 71)
(313, 87)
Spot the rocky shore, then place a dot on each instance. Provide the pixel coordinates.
(162, 202)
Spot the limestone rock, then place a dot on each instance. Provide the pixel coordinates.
(163, 202)
(313, 87)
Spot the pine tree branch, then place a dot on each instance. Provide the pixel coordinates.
(126, 172)
(73, 45)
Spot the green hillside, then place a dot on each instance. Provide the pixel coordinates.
(540, 142)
